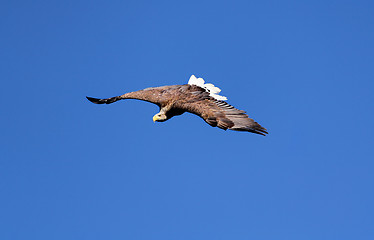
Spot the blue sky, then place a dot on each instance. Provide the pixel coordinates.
(70, 169)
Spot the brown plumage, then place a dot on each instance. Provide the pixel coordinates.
(201, 100)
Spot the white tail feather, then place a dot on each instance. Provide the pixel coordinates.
(213, 90)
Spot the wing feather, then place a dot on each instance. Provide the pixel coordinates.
(217, 113)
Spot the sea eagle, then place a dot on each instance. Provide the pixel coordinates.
(196, 97)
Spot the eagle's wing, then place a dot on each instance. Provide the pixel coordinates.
(217, 113)
(156, 95)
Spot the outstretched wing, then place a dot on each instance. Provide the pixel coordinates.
(218, 113)
(156, 95)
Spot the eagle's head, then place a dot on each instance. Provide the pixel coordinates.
(160, 117)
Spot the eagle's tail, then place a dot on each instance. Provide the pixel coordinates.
(106, 101)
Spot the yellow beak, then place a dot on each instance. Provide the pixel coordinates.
(154, 118)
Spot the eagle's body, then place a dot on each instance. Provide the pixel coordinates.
(197, 98)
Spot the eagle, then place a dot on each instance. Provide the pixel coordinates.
(195, 97)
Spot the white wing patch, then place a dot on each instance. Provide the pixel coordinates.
(213, 90)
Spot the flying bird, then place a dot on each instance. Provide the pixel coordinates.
(196, 97)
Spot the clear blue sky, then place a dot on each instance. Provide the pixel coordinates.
(70, 169)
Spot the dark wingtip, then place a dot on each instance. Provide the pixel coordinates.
(104, 101)
(258, 129)
(262, 131)
(95, 100)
